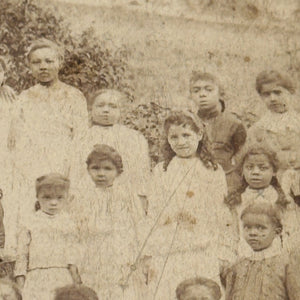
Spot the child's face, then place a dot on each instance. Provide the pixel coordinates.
(44, 64)
(183, 141)
(258, 171)
(259, 231)
(197, 292)
(103, 172)
(275, 97)
(106, 110)
(205, 94)
(52, 199)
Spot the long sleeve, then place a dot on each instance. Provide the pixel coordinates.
(2, 229)
(226, 225)
(292, 276)
(239, 138)
(22, 252)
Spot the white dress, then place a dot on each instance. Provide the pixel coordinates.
(108, 219)
(190, 225)
(46, 246)
(281, 132)
(6, 177)
(129, 143)
(47, 122)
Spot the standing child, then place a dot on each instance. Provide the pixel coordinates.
(198, 289)
(48, 118)
(108, 217)
(105, 111)
(224, 130)
(46, 254)
(260, 185)
(191, 225)
(279, 128)
(265, 274)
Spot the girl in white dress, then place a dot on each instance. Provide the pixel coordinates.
(105, 112)
(260, 185)
(108, 216)
(47, 251)
(190, 223)
(47, 120)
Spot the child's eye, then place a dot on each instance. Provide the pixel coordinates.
(265, 94)
(35, 62)
(195, 90)
(277, 92)
(113, 105)
(107, 168)
(186, 135)
(95, 168)
(208, 88)
(49, 61)
(173, 137)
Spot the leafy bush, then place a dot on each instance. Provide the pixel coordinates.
(88, 65)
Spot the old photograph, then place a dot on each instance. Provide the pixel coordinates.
(150, 149)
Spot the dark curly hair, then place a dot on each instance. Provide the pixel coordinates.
(191, 121)
(104, 152)
(235, 198)
(275, 77)
(73, 292)
(208, 283)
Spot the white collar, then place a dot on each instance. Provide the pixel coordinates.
(274, 250)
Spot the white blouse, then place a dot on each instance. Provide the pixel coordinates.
(46, 241)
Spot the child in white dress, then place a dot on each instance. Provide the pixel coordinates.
(190, 226)
(49, 114)
(105, 111)
(47, 250)
(108, 218)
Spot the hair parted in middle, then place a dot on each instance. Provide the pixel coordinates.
(181, 118)
(235, 198)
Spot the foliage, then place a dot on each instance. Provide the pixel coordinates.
(88, 65)
(148, 119)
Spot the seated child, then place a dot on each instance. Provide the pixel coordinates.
(7, 94)
(264, 275)
(9, 290)
(105, 111)
(47, 243)
(108, 220)
(260, 185)
(280, 126)
(75, 292)
(198, 289)
(226, 133)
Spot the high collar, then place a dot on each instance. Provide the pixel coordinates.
(211, 113)
(274, 250)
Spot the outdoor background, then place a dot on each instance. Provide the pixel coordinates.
(149, 48)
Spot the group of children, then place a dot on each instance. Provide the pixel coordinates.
(216, 219)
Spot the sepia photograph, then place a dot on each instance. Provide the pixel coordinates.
(150, 149)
